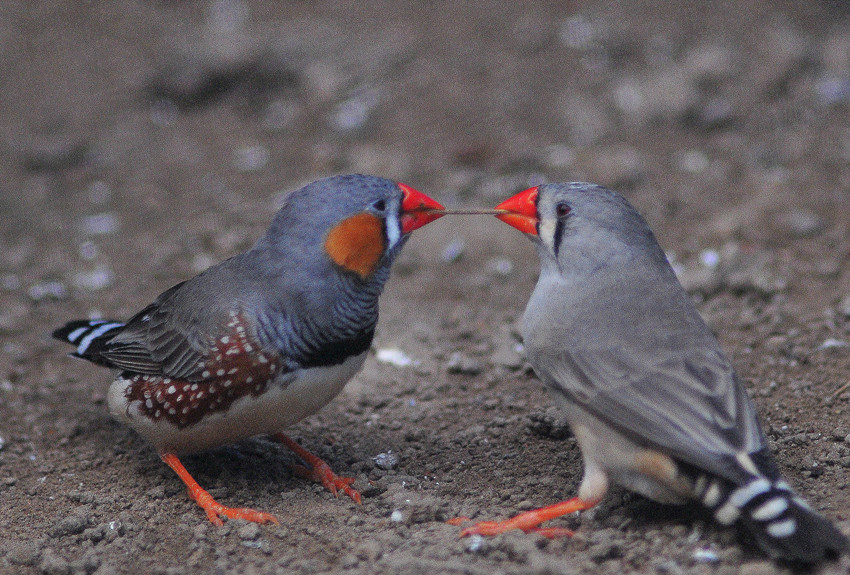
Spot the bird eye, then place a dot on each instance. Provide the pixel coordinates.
(562, 210)
(380, 205)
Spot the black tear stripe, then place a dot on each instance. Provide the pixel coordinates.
(556, 240)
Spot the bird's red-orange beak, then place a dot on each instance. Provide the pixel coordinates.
(417, 209)
(521, 211)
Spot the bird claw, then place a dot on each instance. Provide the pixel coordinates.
(488, 528)
(214, 510)
(457, 521)
(322, 473)
(530, 520)
(214, 513)
(319, 471)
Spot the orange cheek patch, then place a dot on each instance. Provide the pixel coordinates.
(357, 244)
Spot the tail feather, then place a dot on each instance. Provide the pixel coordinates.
(781, 522)
(89, 336)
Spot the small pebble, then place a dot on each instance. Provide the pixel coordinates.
(692, 161)
(397, 516)
(463, 364)
(802, 223)
(12, 282)
(70, 525)
(476, 543)
(202, 261)
(251, 158)
(705, 555)
(500, 266)
(353, 114)
(97, 279)
(386, 461)
(48, 290)
(832, 342)
(100, 224)
(394, 356)
(709, 258)
(249, 532)
(833, 89)
(453, 251)
(506, 356)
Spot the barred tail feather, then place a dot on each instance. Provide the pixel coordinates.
(89, 336)
(781, 522)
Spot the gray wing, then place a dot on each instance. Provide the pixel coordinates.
(156, 342)
(690, 405)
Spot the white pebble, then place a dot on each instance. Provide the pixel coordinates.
(251, 158)
(97, 279)
(453, 251)
(500, 266)
(100, 224)
(48, 290)
(692, 161)
(394, 356)
(353, 113)
(832, 342)
(476, 543)
(705, 555)
(709, 258)
(397, 516)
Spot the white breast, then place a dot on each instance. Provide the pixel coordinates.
(288, 400)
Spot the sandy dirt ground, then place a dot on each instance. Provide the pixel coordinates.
(141, 141)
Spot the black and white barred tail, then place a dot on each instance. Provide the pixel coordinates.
(89, 336)
(781, 522)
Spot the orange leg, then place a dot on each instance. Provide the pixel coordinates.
(319, 470)
(213, 508)
(530, 520)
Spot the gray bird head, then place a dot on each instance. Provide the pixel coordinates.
(358, 223)
(579, 226)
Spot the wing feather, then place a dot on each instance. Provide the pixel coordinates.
(154, 342)
(693, 407)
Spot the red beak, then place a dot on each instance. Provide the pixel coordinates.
(417, 209)
(522, 211)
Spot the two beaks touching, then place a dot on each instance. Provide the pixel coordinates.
(518, 211)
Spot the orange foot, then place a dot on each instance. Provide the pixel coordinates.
(319, 470)
(213, 508)
(530, 520)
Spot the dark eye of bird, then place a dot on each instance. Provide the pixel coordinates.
(380, 205)
(562, 210)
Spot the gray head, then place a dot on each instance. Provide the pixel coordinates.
(579, 224)
(359, 222)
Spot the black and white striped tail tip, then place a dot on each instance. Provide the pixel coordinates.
(87, 335)
(781, 522)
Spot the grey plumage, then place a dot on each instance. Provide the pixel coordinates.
(273, 284)
(264, 339)
(612, 333)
